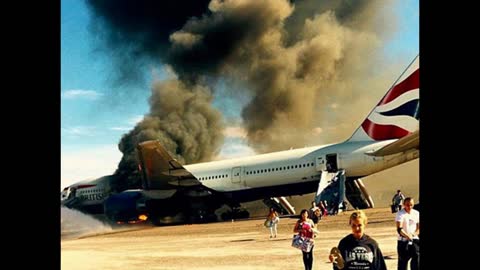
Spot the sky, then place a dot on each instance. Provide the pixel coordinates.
(94, 115)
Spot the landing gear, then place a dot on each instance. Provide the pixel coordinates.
(280, 204)
(203, 216)
(168, 220)
(235, 213)
(357, 194)
(197, 216)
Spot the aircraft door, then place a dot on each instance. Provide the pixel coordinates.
(320, 164)
(331, 162)
(236, 175)
(327, 163)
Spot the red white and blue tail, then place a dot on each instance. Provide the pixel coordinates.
(397, 114)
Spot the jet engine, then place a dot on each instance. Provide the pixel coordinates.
(160, 207)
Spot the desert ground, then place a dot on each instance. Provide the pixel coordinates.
(225, 245)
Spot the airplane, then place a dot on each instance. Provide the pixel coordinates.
(87, 195)
(173, 193)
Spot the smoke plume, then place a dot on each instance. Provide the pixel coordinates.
(300, 63)
(183, 119)
(75, 224)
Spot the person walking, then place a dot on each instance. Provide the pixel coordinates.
(272, 221)
(408, 228)
(357, 250)
(397, 201)
(306, 229)
(317, 216)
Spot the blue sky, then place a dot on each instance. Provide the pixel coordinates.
(92, 125)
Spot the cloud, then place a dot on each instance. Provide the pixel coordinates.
(130, 123)
(134, 120)
(92, 162)
(235, 132)
(79, 93)
(78, 131)
(120, 128)
(234, 150)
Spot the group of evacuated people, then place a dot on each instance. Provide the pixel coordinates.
(358, 250)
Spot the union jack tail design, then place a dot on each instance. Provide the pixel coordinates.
(397, 114)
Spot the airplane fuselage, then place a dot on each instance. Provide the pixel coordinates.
(284, 173)
(87, 195)
(293, 172)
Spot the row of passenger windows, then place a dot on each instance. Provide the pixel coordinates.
(89, 191)
(284, 168)
(214, 177)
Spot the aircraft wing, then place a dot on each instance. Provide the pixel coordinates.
(160, 170)
(410, 141)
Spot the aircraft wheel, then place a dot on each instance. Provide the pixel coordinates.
(242, 214)
(168, 220)
(226, 216)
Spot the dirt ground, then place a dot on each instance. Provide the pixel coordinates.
(226, 245)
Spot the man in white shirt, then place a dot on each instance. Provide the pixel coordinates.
(408, 228)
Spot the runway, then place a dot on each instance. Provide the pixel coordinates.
(226, 245)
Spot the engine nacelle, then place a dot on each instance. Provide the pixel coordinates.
(160, 207)
(126, 207)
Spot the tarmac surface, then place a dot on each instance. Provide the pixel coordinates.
(241, 244)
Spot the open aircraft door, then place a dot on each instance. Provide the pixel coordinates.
(327, 163)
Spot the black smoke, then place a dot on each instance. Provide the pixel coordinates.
(293, 58)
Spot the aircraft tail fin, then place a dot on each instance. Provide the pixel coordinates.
(397, 113)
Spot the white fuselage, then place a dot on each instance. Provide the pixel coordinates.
(294, 166)
(89, 192)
